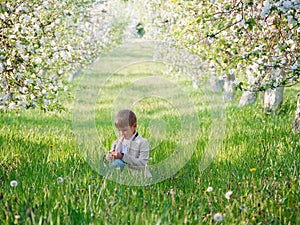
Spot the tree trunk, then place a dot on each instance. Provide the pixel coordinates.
(273, 99)
(216, 83)
(297, 117)
(229, 90)
(248, 97)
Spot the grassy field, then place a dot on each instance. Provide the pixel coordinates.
(257, 165)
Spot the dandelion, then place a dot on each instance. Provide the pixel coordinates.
(60, 180)
(209, 189)
(228, 195)
(14, 183)
(218, 217)
(253, 170)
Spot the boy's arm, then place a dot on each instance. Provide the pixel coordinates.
(143, 158)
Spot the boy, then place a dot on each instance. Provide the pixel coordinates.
(130, 149)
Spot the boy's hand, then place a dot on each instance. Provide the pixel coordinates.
(109, 157)
(116, 155)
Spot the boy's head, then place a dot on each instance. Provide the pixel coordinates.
(125, 122)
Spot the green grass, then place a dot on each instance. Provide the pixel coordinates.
(258, 161)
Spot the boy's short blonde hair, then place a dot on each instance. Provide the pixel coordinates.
(124, 118)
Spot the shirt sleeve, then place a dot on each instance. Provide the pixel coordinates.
(142, 158)
(114, 146)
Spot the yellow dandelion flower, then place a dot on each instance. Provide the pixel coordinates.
(253, 170)
(239, 183)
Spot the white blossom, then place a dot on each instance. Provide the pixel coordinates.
(27, 81)
(295, 66)
(232, 72)
(287, 4)
(23, 89)
(12, 106)
(44, 92)
(266, 9)
(296, 4)
(244, 54)
(19, 46)
(36, 27)
(22, 104)
(19, 76)
(60, 179)
(238, 17)
(38, 60)
(46, 102)
(1, 68)
(291, 20)
(236, 83)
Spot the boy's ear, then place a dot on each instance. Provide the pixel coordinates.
(134, 125)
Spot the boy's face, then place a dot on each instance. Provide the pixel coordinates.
(127, 131)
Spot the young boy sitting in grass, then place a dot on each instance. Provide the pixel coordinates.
(130, 149)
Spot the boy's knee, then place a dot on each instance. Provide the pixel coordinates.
(118, 163)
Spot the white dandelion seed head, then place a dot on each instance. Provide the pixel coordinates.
(228, 195)
(17, 217)
(209, 189)
(218, 217)
(14, 183)
(60, 180)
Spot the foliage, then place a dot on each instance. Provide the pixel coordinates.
(258, 41)
(43, 42)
